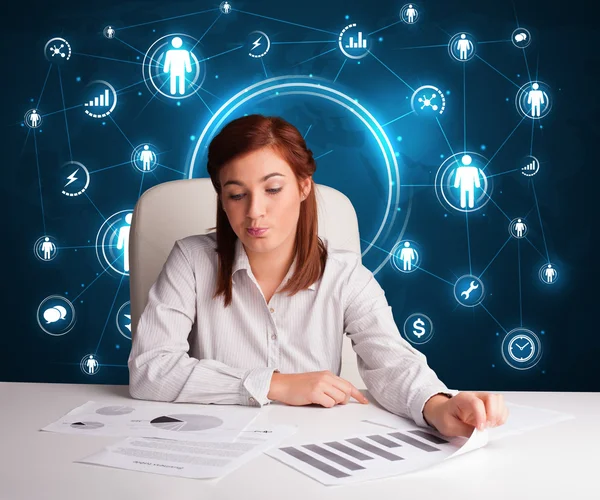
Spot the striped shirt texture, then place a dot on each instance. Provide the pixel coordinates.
(189, 348)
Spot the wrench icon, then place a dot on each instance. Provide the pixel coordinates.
(468, 291)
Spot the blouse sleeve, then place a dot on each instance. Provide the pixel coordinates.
(160, 368)
(394, 372)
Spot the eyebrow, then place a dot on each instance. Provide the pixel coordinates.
(239, 183)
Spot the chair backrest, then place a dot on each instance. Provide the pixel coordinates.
(176, 209)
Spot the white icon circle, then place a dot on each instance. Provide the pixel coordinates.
(462, 47)
(409, 13)
(57, 311)
(144, 157)
(521, 348)
(521, 38)
(109, 32)
(533, 100)
(172, 68)
(76, 178)
(518, 228)
(57, 50)
(103, 99)
(354, 46)
(418, 328)
(529, 166)
(461, 182)
(548, 274)
(428, 100)
(123, 320)
(258, 44)
(89, 364)
(225, 7)
(112, 242)
(406, 256)
(469, 290)
(33, 118)
(45, 248)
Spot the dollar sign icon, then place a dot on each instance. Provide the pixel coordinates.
(418, 325)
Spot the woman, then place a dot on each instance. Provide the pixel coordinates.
(257, 345)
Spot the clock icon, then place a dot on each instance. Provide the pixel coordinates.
(521, 348)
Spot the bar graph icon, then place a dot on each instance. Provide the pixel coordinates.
(530, 166)
(358, 44)
(102, 102)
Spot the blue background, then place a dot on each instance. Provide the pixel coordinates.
(466, 348)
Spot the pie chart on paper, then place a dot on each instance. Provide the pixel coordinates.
(115, 410)
(87, 425)
(186, 423)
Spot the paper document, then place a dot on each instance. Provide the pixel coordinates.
(191, 459)
(162, 420)
(391, 451)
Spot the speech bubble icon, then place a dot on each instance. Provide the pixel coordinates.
(51, 315)
(62, 311)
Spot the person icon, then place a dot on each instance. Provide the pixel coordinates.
(123, 241)
(467, 179)
(147, 158)
(535, 98)
(34, 119)
(407, 256)
(91, 364)
(48, 248)
(110, 32)
(411, 12)
(549, 273)
(226, 7)
(520, 228)
(177, 64)
(464, 46)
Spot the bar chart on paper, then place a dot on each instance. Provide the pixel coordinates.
(372, 456)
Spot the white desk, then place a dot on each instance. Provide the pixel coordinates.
(559, 461)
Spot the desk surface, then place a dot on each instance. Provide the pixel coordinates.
(557, 461)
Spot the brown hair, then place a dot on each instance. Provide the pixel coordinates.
(244, 135)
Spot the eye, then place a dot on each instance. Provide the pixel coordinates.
(237, 197)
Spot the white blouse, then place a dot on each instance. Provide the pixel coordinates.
(189, 348)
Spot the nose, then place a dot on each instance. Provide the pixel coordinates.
(256, 206)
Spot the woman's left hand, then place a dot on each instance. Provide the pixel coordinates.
(457, 416)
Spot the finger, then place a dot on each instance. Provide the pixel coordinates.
(336, 394)
(323, 399)
(350, 390)
(471, 411)
(492, 403)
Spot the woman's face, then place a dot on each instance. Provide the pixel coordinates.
(260, 190)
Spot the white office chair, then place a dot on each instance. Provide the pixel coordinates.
(173, 210)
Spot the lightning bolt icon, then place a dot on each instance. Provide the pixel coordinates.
(72, 178)
(256, 43)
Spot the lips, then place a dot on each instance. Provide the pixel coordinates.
(255, 231)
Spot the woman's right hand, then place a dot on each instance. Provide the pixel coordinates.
(323, 388)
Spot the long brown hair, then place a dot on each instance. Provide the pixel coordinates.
(244, 135)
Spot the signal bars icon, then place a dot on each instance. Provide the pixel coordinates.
(531, 166)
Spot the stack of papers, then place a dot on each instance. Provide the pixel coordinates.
(209, 441)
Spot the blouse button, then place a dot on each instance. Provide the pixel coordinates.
(274, 336)
(272, 310)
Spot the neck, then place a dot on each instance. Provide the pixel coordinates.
(273, 265)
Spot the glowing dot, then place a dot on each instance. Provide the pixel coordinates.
(138, 57)
(493, 366)
(140, 92)
(22, 124)
(78, 79)
(192, 137)
(381, 39)
(397, 154)
(445, 215)
(178, 103)
(75, 249)
(217, 76)
(399, 138)
(399, 209)
(153, 31)
(82, 284)
(276, 93)
(347, 16)
(358, 62)
(483, 147)
(543, 372)
(310, 75)
(81, 301)
(507, 99)
(542, 332)
(518, 75)
(31, 99)
(66, 293)
(118, 346)
(447, 92)
(103, 123)
(441, 156)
